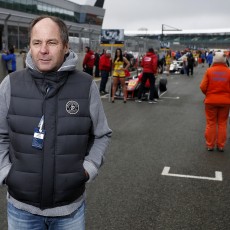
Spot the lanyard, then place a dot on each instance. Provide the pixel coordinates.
(41, 124)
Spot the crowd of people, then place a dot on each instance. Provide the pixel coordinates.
(189, 58)
(119, 68)
(215, 83)
(152, 64)
(103, 64)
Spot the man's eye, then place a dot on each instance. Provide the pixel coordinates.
(52, 43)
(36, 43)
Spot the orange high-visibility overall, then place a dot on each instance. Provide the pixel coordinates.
(216, 87)
(216, 125)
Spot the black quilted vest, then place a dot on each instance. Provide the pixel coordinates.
(53, 176)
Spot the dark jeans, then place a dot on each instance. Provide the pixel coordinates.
(152, 79)
(89, 70)
(189, 67)
(104, 79)
(97, 72)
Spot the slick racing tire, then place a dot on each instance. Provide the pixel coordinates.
(163, 84)
(157, 91)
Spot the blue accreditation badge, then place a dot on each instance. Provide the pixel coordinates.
(39, 135)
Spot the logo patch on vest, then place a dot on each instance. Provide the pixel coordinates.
(72, 107)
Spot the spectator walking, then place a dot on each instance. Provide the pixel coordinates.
(23, 55)
(88, 62)
(161, 62)
(185, 63)
(216, 87)
(190, 64)
(209, 58)
(149, 64)
(10, 60)
(53, 133)
(105, 65)
(178, 55)
(202, 56)
(119, 73)
(168, 60)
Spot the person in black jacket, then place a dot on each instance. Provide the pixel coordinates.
(96, 64)
(53, 133)
(190, 63)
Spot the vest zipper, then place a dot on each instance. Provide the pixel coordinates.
(44, 127)
(55, 143)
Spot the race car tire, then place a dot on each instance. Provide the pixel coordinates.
(163, 84)
(156, 91)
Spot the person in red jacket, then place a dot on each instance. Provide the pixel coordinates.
(105, 64)
(88, 62)
(216, 87)
(149, 64)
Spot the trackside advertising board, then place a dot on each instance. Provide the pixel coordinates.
(112, 37)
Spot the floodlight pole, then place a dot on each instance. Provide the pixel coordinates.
(170, 28)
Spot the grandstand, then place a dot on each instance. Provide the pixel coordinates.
(194, 39)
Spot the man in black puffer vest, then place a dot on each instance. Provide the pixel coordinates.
(53, 133)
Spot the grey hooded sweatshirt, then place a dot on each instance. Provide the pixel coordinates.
(93, 160)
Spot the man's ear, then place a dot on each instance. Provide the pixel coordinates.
(67, 48)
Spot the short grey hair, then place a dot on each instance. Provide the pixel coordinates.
(64, 33)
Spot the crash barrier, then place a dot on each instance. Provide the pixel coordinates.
(20, 64)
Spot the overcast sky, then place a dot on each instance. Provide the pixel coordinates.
(151, 14)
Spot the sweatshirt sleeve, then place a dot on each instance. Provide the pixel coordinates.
(5, 163)
(204, 83)
(5, 57)
(100, 134)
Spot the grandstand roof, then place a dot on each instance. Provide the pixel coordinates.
(158, 32)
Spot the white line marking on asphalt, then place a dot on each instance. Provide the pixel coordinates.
(176, 98)
(218, 175)
(163, 93)
(105, 96)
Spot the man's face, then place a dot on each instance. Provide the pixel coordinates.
(108, 55)
(46, 46)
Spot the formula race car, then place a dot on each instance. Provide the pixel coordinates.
(176, 67)
(133, 85)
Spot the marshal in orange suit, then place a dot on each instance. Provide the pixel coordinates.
(216, 87)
